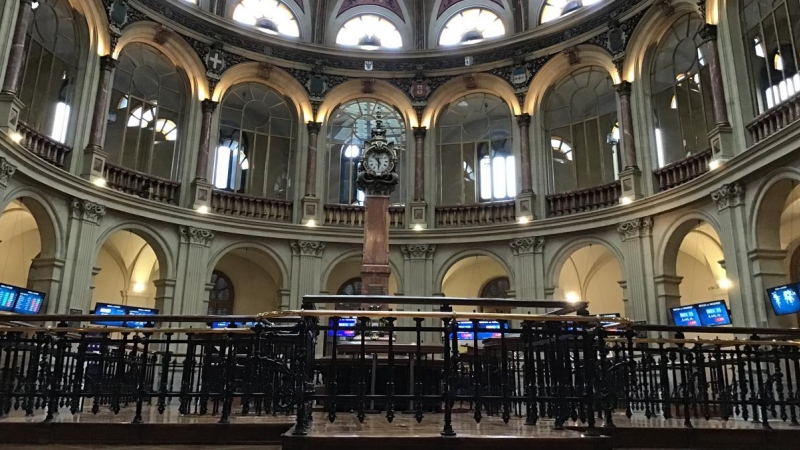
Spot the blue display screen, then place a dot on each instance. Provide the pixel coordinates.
(108, 309)
(713, 314)
(8, 295)
(134, 311)
(223, 325)
(685, 316)
(29, 302)
(492, 328)
(346, 328)
(785, 299)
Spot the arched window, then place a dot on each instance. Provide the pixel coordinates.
(256, 138)
(369, 32)
(471, 26)
(476, 160)
(350, 287)
(269, 16)
(681, 96)
(147, 101)
(553, 9)
(496, 288)
(771, 42)
(349, 127)
(220, 299)
(580, 115)
(51, 67)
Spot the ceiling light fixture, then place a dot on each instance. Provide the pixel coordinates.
(472, 37)
(267, 25)
(369, 42)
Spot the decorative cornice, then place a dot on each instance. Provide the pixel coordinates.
(7, 170)
(196, 236)
(418, 251)
(635, 228)
(527, 245)
(623, 88)
(728, 195)
(308, 248)
(209, 106)
(420, 132)
(108, 63)
(313, 127)
(524, 120)
(87, 210)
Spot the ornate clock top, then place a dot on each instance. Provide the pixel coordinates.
(376, 171)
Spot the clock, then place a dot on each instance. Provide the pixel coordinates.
(378, 161)
(376, 170)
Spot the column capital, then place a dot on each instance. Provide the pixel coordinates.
(196, 236)
(635, 228)
(308, 248)
(623, 88)
(529, 245)
(7, 170)
(418, 251)
(108, 63)
(524, 120)
(708, 33)
(314, 127)
(420, 132)
(87, 210)
(209, 106)
(729, 195)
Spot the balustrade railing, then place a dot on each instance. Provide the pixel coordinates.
(583, 200)
(493, 213)
(775, 119)
(44, 147)
(682, 171)
(529, 367)
(353, 215)
(240, 205)
(141, 184)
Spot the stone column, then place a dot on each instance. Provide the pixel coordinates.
(524, 199)
(630, 177)
(637, 249)
(165, 293)
(10, 105)
(310, 199)
(190, 296)
(7, 170)
(529, 268)
(81, 253)
(202, 187)
(94, 158)
(47, 279)
(419, 208)
(306, 274)
(746, 310)
(418, 279)
(721, 136)
(668, 295)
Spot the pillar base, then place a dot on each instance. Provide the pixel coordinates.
(419, 215)
(524, 206)
(202, 195)
(721, 138)
(10, 108)
(94, 161)
(630, 180)
(310, 211)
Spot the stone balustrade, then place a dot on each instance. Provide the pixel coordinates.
(682, 171)
(493, 213)
(582, 200)
(235, 204)
(775, 119)
(353, 216)
(44, 147)
(141, 184)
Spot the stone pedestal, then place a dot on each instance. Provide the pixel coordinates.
(375, 268)
(630, 181)
(721, 139)
(311, 211)
(524, 206)
(203, 191)
(94, 161)
(10, 108)
(419, 216)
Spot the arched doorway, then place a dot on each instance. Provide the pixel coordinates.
(245, 280)
(471, 276)
(126, 271)
(593, 274)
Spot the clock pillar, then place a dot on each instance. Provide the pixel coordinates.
(377, 178)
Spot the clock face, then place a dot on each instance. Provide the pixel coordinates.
(378, 163)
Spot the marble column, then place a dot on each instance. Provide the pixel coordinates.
(190, 295)
(630, 176)
(94, 158)
(81, 252)
(708, 34)
(15, 68)
(310, 200)
(529, 269)
(637, 250)
(746, 309)
(419, 206)
(203, 189)
(306, 270)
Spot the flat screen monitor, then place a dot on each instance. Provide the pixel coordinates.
(685, 316)
(785, 299)
(223, 325)
(713, 314)
(29, 302)
(487, 329)
(8, 296)
(109, 309)
(346, 327)
(136, 311)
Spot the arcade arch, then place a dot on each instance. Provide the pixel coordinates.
(256, 279)
(469, 276)
(592, 273)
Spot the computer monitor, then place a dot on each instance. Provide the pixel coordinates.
(29, 302)
(785, 299)
(685, 316)
(136, 311)
(8, 297)
(346, 327)
(109, 309)
(487, 329)
(713, 314)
